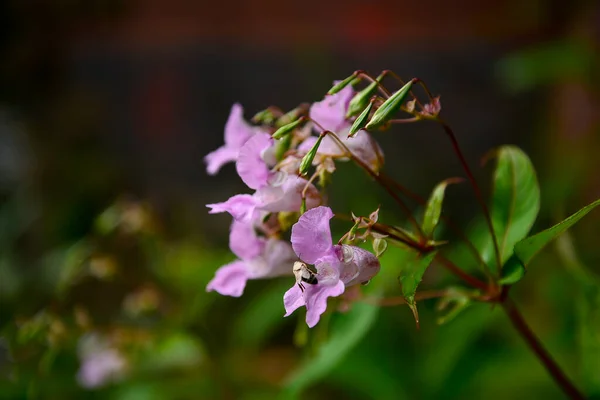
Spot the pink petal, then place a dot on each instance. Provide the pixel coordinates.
(216, 159)
(287, 196)
(241, 207)
(230, 279)
(280, 258)
(276, 260)
(316, 300)
(250, 165)
(330, 113)
(364, 262)
(292, 300)
(311, 236)
(237, 130)
(243, 240)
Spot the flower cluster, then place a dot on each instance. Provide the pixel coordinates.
(271, 168)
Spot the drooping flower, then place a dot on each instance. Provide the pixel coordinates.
(100, 363)
(237, 132)
(337, 266)
(258, 258)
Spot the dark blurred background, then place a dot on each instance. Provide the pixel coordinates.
(107, 109)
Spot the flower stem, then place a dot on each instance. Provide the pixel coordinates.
(421, 201)
(534, 344)
(477, 191)
(471, 280)
(377, 178)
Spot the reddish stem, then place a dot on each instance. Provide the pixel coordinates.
(477, 191)
(471, 280)
(535, 345)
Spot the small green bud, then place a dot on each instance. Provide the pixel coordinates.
(292, 115)
(361, 121)
(282, 146)
(310, 156)
(340, 85)
(379, 246)
(359, 102)
(266, 117)
(387, 110)
(284, 130)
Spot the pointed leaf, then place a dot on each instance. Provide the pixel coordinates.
(527, 248)
(512, 271)
(433, 210)
(387, 110)
(361, 121)
(412, 272)
(515, 202)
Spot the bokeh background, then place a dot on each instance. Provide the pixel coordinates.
(107, 109)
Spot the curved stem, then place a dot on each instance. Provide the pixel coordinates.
(477, 191)
(384, 184)
(471, 280)
(534, 344)
(421, 201)
(380, 86)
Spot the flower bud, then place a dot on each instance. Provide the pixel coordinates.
(266, 117)
(284, 130)
(361, 121)
(310, 156)
(359, 102)
(342, 84)
(390, 106)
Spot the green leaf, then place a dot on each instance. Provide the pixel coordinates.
(412, 272)
(346, 331)
(587, 306)
(286, 129)
(515, 202)
(512, 272)
(310, 156)
(433, 210)
(362, 98)
(340, 85)
(387, 110)
(361, 121)
(527, 248)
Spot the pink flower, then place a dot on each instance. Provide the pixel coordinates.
(275, 190)
(337, 266)
(100, 363)
(258, 258)
(237, 132)
(330, 113)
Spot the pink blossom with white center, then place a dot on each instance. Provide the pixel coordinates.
(337, 266)
(258, 258)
